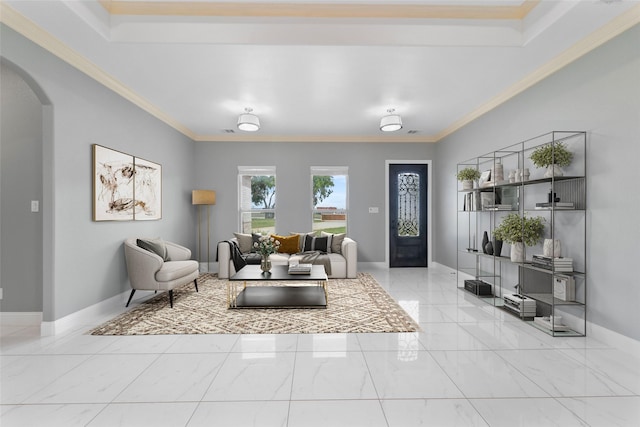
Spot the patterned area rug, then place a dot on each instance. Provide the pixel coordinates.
(355, 305)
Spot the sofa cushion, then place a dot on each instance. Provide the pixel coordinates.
(336, 241)
(302, 236)
(245, 242)
(288, 244)
(279, 259)
(312, 243)
(156, 246)
(253, 258)
(173, 270)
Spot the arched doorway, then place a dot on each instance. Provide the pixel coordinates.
(25, 205)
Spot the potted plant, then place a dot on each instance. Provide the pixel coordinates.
(553, 157)
(467, 176)
(519, 231)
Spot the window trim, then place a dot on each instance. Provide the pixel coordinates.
(253, 171)
(329, 171)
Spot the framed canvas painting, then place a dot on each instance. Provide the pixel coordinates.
(147, 190)
(113, 182)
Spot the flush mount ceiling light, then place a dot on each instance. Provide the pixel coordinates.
(248, 122)
(391, 122)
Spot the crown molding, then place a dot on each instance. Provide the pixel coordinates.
(33, 32)
(47, 41)
(315, 138)
(597, 38)
(316, 10)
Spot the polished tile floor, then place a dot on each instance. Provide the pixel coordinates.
(470, 366)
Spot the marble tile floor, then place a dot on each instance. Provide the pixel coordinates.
(471, 365)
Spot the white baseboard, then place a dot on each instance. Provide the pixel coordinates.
(371, 265)
(84, 316)
(613, 339)
(21, 318)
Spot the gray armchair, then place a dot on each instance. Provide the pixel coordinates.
(150, 272)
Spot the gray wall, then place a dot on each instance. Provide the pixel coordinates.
(85, 257)
(599, 93)
(217, 169)
(21, 114)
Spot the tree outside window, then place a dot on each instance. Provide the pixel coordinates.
(330, 199)
(257, 195)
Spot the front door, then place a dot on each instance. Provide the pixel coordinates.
(408, 215)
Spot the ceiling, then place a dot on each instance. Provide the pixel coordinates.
(319, 70)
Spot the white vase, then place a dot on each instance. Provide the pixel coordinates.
(517, 252)
(467, 184)
(552, 248)
(553, 170)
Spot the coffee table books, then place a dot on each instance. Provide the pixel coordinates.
(299, 268)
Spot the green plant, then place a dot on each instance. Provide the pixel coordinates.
(550, 154)
(515, 228)
(468, 174)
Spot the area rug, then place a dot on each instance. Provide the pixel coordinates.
(355, 305)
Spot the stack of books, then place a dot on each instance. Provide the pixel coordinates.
(520, 304)
(497, 207)
(555, 205)
(563, 265)
(299, 268)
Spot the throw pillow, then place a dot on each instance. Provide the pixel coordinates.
(302, 237)
(336, 241)
(288, 244)
(156, 246)
(321, 244)
(255, 238)
(245, 242)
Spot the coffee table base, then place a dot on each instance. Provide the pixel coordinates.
(281, 297)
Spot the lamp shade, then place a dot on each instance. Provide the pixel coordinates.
(248, 122)
(203, 197)
(391, 122)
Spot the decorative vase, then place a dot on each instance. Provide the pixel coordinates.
(552, 248)
(467, 184)
(488, 248)
(553, 170)
(517, 252)
(485, 240)
(265, 264)
(497, 247)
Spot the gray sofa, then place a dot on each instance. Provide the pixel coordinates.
(343, 264)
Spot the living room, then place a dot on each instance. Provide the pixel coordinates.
(58, 262)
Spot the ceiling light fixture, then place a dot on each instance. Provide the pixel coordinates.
(390, 122)
(248, 122)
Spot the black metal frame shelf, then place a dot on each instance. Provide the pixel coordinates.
(561, 222)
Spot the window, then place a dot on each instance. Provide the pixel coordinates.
(330, 198)
(257, 199)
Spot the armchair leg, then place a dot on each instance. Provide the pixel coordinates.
(171, 298)
(133, 291)
(195, 282)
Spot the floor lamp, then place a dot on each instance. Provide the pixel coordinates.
(208, 198)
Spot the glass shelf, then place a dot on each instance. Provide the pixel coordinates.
(550, 300)
(570, 333)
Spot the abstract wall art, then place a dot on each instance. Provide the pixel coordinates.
(112, 185)
(147, 190)
(125, 187)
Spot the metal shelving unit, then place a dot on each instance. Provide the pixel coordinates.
(476, 215)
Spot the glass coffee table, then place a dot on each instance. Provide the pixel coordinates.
(300, 294)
